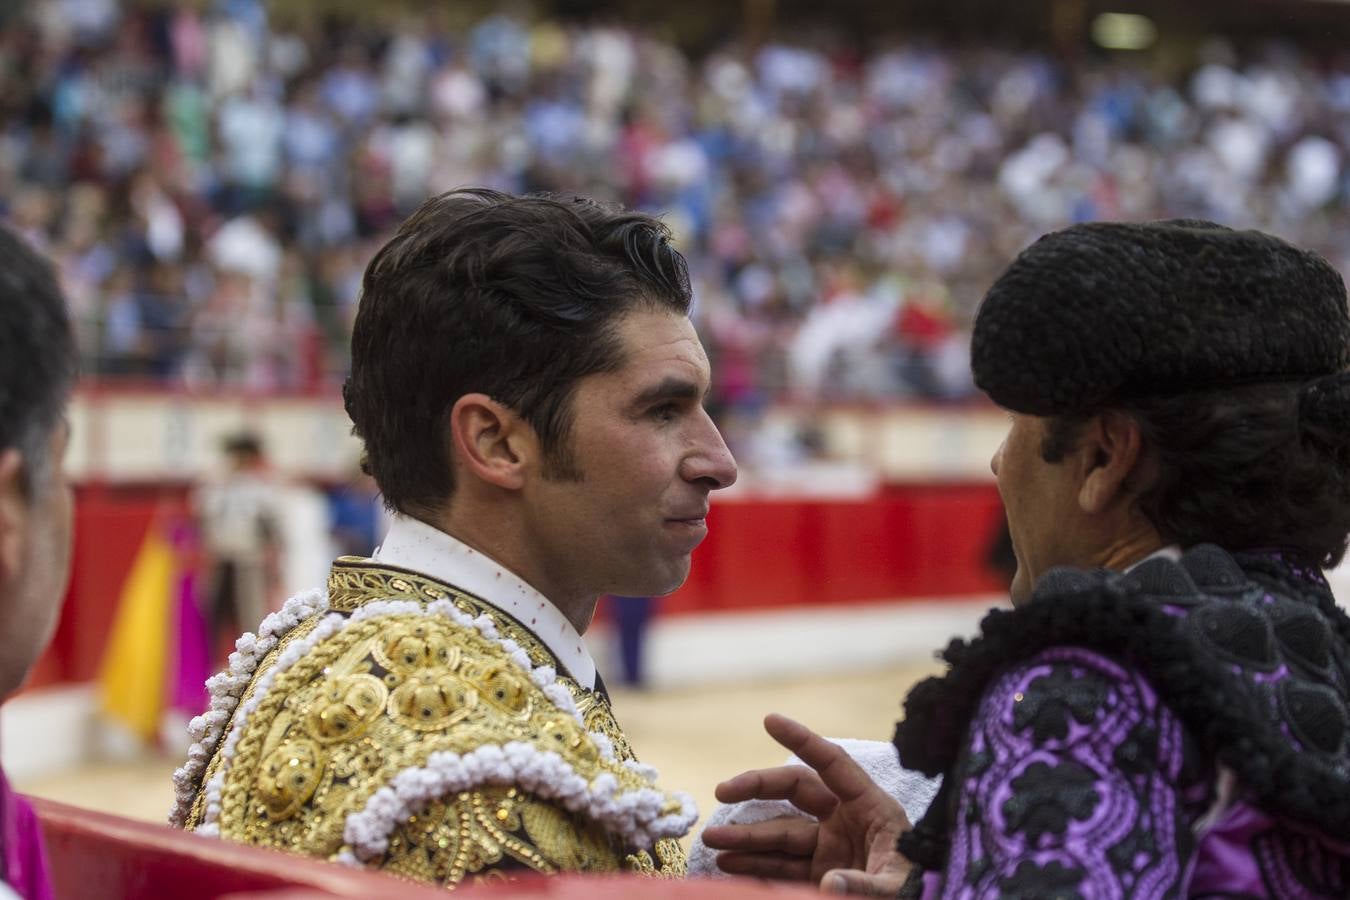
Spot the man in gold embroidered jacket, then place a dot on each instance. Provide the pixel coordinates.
(530, 394)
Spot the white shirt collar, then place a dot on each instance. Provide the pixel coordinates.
(412, 544)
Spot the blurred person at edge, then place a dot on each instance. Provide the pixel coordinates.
(435, 713)
(1164, 711)
(37, 369)
(240, 534)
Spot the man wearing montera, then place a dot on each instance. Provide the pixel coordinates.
(530, 392)
(1166, 712)
(37, 370)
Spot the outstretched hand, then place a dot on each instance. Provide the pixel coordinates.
(849, 848)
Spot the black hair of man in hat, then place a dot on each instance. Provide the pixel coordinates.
(1169, 384)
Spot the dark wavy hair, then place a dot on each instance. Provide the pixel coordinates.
(1246, 468)
(513, 297)
(37, 355)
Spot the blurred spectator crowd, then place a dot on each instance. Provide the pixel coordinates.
(211, 183)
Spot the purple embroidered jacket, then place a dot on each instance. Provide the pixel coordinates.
(1195, 748)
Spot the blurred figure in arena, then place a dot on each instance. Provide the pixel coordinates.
(37, 369)
(632, 617)
(1166, 711)
(529, 390)
(240, 527)
(355, 515)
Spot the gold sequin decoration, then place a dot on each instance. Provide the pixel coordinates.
(417, 647)
(432, 701)
(345, 708)
(505, 687)
(288, 777)
(354, 581)
(396, 689)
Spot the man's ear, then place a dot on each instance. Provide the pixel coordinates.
(13, 515)
(1109, 452)
(491, 442)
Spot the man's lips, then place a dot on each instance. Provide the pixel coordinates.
(694, 527)
(697, 517)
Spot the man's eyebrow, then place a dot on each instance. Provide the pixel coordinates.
(670, 388)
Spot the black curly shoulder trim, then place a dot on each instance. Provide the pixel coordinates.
(1102, 615)
(912, 889)
(1271, 573)
(925, 844)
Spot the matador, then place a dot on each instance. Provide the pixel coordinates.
(529, 391)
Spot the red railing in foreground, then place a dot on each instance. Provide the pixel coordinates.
(96, 856)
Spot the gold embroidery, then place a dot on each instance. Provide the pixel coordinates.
(417, 647)
(345, 708)
(431, 702)
(353, 582)
(288, 777)
(671, 861)
(568, 842)
(380, 697)
(505, 688)
(301, 630)
(496, 827)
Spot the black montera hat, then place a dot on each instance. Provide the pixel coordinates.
(1108, 312)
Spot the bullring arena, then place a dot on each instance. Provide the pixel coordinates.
(838, 651)
(210, 180)
(835, 650)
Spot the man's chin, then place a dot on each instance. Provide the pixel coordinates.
(670, 579)
(1020, 589)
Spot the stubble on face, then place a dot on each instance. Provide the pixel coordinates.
(642, 442)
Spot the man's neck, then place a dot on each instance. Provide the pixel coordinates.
(1130, 551)
(503, 546)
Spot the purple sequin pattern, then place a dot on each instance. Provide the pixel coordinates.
(1076, 786)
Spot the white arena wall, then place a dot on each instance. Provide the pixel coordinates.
(122, 435)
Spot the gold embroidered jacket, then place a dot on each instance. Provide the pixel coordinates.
(408, 726)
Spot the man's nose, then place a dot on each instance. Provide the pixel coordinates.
(711, 461)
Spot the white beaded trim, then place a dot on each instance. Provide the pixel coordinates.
(634, 815)
(629, 814)
(225, 688)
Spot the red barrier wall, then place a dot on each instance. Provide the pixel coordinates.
(908, 541)
(96, 856)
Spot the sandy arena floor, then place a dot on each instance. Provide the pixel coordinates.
(695, 737)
